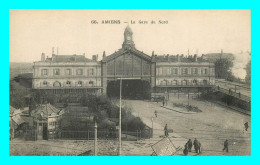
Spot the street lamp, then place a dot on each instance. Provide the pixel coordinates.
(152, 126)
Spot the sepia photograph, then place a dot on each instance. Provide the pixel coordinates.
(130, 83)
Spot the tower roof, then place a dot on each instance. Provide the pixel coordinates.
(128, 30)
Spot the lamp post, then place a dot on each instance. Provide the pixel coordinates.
(95, 141)
(152, 126)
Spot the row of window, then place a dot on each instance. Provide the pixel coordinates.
(67, 84)
(68, 72)
(52, 123)
(183, 82)
(184, 71)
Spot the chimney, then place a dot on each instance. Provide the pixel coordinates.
(178, 58)
(195, 58)
(104, 54)
(43, 57)
(94, 57)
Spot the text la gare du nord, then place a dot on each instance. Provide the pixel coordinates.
(131, 22)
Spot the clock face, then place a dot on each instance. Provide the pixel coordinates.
(128, 38)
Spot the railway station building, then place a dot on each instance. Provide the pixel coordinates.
(141, 74)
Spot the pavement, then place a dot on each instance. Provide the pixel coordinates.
(211, 127)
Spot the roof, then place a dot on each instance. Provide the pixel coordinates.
(28, 119)
(214, 56)
(174, 58)
(128, 29)
(69, 58)
(123, 51)
(18, 120)
(46, 109)
(11, 110)
(25, 76)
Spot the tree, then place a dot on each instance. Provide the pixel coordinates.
(223, 68)
(18, 95)
(248, 73)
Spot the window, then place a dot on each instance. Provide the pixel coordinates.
(204, 71)
(194, 71)
(205, 82)
(164, 82)
(194, 82)
(45, 83)
(57, 84)
(91, 83)
(91, 71)
(44, 72)
(174, 82)
(80, 83)
(56, 72)
(68, 72)
(68, 83)
(79, 72)
(184, 82)
(184, 71)
(174, 71)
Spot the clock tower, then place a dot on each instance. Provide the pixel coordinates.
(128, 38)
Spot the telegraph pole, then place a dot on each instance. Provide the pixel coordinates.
(120, 108)
(152, 126)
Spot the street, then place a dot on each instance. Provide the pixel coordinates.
(211, 127)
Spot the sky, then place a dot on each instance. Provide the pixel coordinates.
(33, 32)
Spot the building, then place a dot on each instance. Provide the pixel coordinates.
(142, 74)
(46, 121)
(19, 122)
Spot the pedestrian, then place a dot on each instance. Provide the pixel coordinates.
(163, 101)
(166, 131)
(155, 113)
(185, 151)
(189, 145)
(199, 147)
(225, 145)
(246, 126)
(111, 133)
(196, 145)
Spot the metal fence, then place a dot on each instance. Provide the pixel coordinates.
(102, 134)
(233, 93)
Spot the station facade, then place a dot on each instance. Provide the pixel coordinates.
(141, 74)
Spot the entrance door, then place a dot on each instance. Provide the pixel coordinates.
(131, 89)
(44, 132)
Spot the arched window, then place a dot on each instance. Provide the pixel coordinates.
(57, 84)
(205, 82)
(184, 82)
(80, 83)
(174, 82)
(68, 83)
(194, 82)
(91, 83)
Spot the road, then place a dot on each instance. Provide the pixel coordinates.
(235, 87)
(211, 126)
